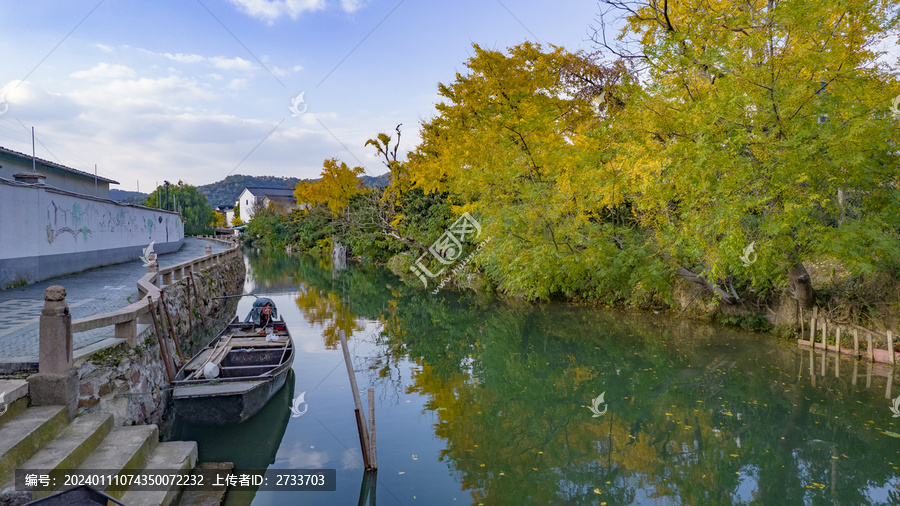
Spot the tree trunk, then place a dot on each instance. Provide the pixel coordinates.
(728, 298)
(802, 284)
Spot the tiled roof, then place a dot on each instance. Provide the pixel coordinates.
(57, 166)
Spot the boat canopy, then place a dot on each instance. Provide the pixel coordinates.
(258, 306)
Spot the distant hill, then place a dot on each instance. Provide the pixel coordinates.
(227, 191)
(376, 181)
(127, 196)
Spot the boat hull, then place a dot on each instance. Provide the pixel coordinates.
(251, 370)
(222, 407)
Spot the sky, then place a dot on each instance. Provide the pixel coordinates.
(195, 90)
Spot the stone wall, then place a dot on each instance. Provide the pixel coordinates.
(132, 384)
(46, 232)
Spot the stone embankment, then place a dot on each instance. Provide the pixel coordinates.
(132, 383)
(119, 388)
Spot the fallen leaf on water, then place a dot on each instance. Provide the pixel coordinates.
(402, 472)
(892, 434)
(596, 490)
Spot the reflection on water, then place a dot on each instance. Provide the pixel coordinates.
(482, 401)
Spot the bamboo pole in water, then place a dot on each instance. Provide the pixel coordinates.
(374, 457)
(855, 344)
(187, 302)
(360, 421)
(162, 298)
(199, 300)
(162, 344)
(870, 352)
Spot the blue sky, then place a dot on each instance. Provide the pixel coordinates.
(196, 90)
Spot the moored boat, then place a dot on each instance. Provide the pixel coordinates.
(237, 373)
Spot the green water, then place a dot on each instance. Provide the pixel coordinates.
(481, 401)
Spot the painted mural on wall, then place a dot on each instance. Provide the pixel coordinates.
(84, 221)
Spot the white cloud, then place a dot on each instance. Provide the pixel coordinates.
(270, 10)
(28, 102)
(103, 47)
(104, 71)
(236, 63)
(217, 77)
(237, 84)
(183, 58)
(352, 5)
(278, 71)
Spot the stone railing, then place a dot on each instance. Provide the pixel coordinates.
(149, 288)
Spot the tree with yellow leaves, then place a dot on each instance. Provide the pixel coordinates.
(338, 185)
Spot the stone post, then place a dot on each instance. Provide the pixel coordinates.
(153, 267)
(56, 382)
(55, 341)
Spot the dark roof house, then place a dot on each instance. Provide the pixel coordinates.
(56, 175)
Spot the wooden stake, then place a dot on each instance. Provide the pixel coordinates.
(870, 353)
(374, 456)
(360, 421)
(824, 337)
(890, 340)
(856, 344)
(837, 339)
(162, 298)
(199, 300)
(162, 345)
(187, 301)
(812, 326)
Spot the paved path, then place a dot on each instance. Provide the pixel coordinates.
(96, 291)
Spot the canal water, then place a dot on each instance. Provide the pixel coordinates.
(485, 401)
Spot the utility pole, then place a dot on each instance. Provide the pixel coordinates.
(167, 194)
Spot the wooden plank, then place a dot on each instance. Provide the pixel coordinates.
(195, 363)
(236, 387)
(241, 342)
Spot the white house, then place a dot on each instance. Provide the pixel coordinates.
(253, 198)
(228, 211)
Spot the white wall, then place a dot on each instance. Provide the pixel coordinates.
(248, 205)
(47, 232)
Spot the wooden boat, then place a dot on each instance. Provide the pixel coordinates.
(237, 373)
(80, 495)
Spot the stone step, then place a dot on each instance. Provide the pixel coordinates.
(123, 448)
(74, 444)
(25, 434)
(13, 399)
(173, 456)
(211, 497)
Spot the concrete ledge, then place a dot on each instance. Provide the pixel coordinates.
(13, 365)
(13, 390)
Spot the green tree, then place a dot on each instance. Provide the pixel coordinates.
(195, 212)
(516, 143)
(762, 123)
